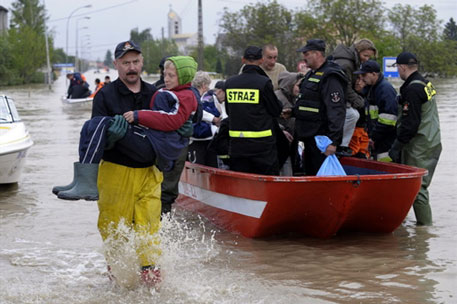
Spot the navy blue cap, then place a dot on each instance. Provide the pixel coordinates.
(252, 53)
(313, 45)
(406, 58)
(124, 47)
(369, 66)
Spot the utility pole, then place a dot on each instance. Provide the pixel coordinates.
(200, 37)
(48, 63)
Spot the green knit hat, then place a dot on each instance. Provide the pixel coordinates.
(186, 67)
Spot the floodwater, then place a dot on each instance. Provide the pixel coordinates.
(51, 252)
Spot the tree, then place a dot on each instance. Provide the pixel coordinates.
(140, 38)
(154, 50)
(450, 30)
(345, 21)
(108, 59)
(411, 25)
(28, 13)
(258, 24)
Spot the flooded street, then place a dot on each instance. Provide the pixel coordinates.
(51, 251)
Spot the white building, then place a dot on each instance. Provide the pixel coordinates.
(184, 41)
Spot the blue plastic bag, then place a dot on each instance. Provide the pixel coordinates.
(331, 165)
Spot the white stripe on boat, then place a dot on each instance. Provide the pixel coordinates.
(244, 206)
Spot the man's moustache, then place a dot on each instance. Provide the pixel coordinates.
(132, 73)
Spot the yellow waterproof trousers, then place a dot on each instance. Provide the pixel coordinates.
(132, 195)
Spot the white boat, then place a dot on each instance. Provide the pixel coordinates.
(14, 142)
(76, 100)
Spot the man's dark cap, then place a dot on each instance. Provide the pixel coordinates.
(220, 85)
(125, 47)
(406, 58)
(369, 66)
(252, 53)
(313, 45)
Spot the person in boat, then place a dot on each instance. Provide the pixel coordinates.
(128, 186)
(78, 87)
(383, 109)
(220, 142)
(107, 80)
(98, 86)
(205, 129)
(253, 108)
(418, 141)
(287, 93)
(320, 108)
(355, 136)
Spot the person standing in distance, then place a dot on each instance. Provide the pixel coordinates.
(418, 140)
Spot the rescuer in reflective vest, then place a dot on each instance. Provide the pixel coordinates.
(252, 108)
(320, 108)
(382, 109)
(418, 140)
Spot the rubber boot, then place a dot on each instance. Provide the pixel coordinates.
(57, 189)
(85, 186)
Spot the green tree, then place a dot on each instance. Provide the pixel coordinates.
(450, 30)
(411, 25)
(140, 37)
(154, 50)
(29, 13)
(259, 24)
(210, 54)
(346, 21)
(58, 55)
(108, 59)
(26, 38)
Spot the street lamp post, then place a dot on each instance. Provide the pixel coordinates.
(68, 22)
(76, 40)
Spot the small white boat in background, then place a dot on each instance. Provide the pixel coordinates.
(76, 100)
(14, 142)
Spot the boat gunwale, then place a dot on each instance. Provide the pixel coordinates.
(414, 172)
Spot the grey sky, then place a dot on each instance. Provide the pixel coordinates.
(111, 20)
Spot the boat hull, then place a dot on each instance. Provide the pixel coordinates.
(258, 206)
(14, 144)
(77, 100)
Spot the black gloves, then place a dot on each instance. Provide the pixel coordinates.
(395, 151)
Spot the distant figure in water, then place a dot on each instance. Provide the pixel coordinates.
(78, 88)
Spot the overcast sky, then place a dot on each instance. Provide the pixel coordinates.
(111, 20)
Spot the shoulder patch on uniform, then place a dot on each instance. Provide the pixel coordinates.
(335, 97)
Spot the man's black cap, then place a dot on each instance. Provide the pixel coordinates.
(252, 53)
(313, 45)
(406, 58)
(124, 47)
(220, 85)
(369, 66)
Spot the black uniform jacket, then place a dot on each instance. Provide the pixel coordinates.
(321, 108)
(116, 98)
(411, 99)
(252, 108)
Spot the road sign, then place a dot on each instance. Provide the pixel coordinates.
(63, 65)
(389, 70)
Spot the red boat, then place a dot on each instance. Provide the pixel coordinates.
(373, 197)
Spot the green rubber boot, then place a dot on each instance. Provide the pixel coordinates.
(85, 184)
(57, 189)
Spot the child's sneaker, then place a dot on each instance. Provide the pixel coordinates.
(150, 275)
